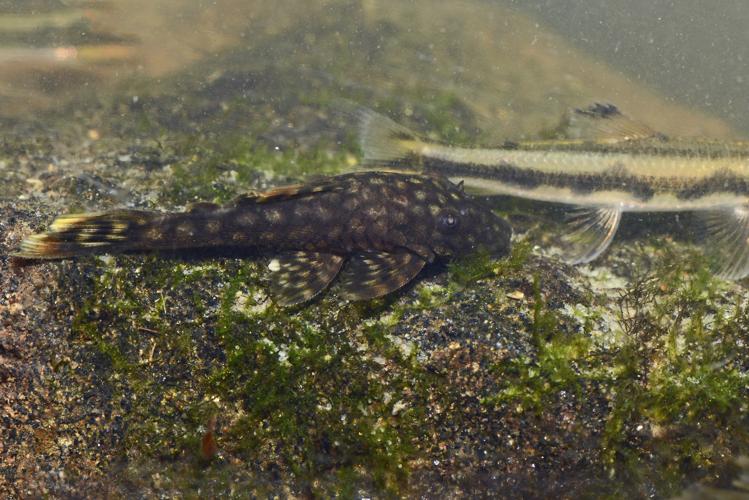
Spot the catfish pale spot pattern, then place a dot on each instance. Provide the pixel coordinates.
(274, 215)
(213, 226)
(154, 234)
(185, 228)
(374, 231)
(247, 219)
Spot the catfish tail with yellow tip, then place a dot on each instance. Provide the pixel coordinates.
(82, 234)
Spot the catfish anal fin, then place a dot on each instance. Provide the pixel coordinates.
(371, 275)
(726, 238)
(590, 231)
(299, 276)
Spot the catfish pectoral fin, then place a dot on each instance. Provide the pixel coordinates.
(299, 276)
(371, 275)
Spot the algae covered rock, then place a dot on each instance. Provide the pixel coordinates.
(139, 375)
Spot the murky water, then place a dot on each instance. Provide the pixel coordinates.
(506, 61)
(136, 375)
(690, 52)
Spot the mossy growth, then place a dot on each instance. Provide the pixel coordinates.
(219, 171)
(480, 265)
(318, 394)
(559, 363)
(560, 355)
(529, 381)
(150, 324)
(671, 371)
(678, 387)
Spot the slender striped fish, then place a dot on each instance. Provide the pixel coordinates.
(608, 164)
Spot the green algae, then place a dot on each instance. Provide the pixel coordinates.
(301, 388)
(316, 397)
(323, 392)
(677, 376)
(222, 171)
(467, 270)
(558, 364)
(326, 395)
(675, 387)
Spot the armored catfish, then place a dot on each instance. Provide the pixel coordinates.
(373, 231)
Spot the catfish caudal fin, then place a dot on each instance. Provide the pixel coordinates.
(82, 234)
(385, 142)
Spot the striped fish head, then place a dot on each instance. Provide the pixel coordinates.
(462, 225)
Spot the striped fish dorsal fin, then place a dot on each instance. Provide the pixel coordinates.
(589, 233)
(726, 240)
(322, 185)
(604, 123)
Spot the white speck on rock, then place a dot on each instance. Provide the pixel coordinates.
(398, 407)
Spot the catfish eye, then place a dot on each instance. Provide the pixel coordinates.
(448, 220)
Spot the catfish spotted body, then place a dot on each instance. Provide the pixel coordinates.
(375, 231)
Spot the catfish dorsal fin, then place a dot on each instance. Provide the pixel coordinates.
(202, 207)
(605, 123)
(321, 185)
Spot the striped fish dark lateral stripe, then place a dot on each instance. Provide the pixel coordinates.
(606, 164)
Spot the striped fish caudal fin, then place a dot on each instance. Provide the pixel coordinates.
(385, 142)
(83, 234)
